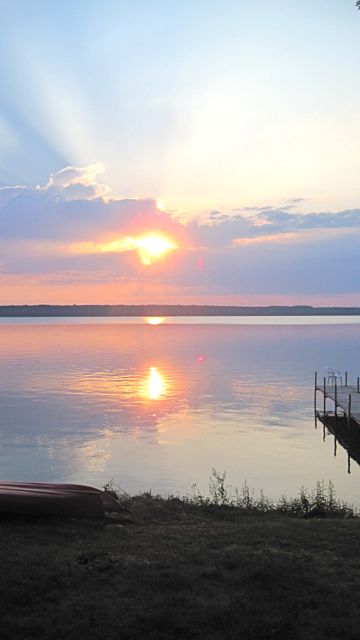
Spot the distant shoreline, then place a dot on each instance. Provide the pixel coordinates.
(122, 310)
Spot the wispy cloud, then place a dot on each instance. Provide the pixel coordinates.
(274, 237)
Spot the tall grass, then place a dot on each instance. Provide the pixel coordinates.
(320, 502)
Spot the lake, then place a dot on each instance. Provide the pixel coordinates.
(156, 403)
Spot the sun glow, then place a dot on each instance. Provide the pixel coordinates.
(150, 247)
(153, 246)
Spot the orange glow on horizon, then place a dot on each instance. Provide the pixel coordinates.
(61, 288)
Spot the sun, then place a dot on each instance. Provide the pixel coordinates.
(150, 247)
(153, 246)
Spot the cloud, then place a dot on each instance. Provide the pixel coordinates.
(274, 237)
(281, 221)
(74, 205)
(76, 175)
(69, 208)
(45, 230)
(78, 183)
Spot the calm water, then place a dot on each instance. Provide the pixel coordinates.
(157, 406)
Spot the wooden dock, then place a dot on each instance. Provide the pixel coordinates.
(344, 398)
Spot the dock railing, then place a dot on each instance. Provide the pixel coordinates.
(345, 397)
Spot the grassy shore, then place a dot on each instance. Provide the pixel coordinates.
(181, 569)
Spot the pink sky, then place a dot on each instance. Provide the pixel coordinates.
(71, 241)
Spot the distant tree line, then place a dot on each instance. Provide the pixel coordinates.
(123, 310)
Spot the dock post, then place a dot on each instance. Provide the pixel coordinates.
(315, 389)
(335, 399)
(324, 396)
(349, 414)
(358, 385)
(346, 379)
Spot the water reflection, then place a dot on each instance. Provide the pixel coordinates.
(158, 406)
(155, 320)
(154, 386)
(345, 434)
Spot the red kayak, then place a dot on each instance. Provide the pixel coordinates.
(38, 498)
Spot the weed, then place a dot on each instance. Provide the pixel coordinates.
(219, 491)
(116, 491)
(320, 502)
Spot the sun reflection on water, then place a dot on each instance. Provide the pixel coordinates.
(153, 386)
(156, 387)
(155, 320)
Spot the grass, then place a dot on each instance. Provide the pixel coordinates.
(224, 566)
(320, 502)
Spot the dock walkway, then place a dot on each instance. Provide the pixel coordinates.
(346, 398)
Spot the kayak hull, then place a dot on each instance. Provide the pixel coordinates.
(45, 499)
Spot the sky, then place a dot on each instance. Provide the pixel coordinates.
(180, 152)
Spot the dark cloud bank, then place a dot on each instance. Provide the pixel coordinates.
(257, 251)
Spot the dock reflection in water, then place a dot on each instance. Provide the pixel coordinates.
(345, 434)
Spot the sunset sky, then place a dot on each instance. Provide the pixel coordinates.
(180, 152)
